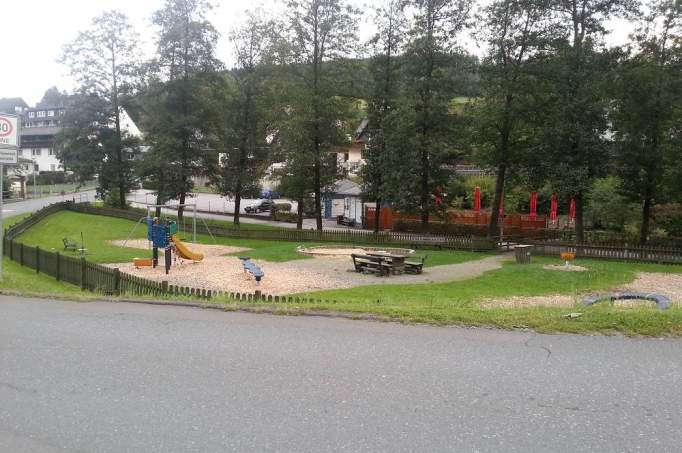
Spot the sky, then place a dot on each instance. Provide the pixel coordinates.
(34, 32)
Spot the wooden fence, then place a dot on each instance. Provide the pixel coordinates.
(619, 253)
(289, 234)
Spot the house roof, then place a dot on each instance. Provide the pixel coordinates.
(7, 104)
(361, 131)
(346, 187)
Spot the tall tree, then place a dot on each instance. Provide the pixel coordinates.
(321, 31)
(648, 113)
(103, 60)
(517, 32)
(53, 98)
(241, 120)
(429, 89)
(574, 121)
(173, 109)
(391, 25)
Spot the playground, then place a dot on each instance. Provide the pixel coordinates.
(454, 286)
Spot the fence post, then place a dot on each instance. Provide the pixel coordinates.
(21, 254)
(117, 282)
(37, 260)
(164, 286)
(58, 265)
(11, 249)
(84, 274)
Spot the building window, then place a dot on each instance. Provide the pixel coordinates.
(50, 151)
(50, 113)
(52, 167)
(20, 152)
(35, 152)
(31, 114)
(41, 114)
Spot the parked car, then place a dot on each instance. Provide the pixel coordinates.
(262, 205)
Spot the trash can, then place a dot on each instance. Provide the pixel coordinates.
(523, 253)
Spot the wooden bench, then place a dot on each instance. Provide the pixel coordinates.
(396, 262)
(415, 267)
(369, 263)
(251, 268)
(69, 244)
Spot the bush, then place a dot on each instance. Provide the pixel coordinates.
(281, 207)
(290, 217)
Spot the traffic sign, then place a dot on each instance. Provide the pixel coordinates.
(9, 131)
(8, 156)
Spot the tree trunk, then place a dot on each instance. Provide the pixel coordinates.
(318, 195)
(377, 216)
(646, 220)
(299, 219)
(579, 219)
(237, 206)
(425, 193)
(493, 226)
(181, 207)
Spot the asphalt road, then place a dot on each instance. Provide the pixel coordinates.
(104, 377)
(20, 207)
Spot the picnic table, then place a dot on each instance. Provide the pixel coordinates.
(395, 262)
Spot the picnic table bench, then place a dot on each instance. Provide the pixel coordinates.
(251, 268)
(69, 244)
(371, 263)
(396, 262)
(346, 221)
(415, 266)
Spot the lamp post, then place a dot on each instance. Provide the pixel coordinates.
(34, 177)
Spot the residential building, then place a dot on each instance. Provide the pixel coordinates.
(39, 128)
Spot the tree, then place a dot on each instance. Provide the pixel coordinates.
(53, 98)
(242, 125)
(647, 112)
(173, 111)
(516, 31)
(425, 118)
(385, 69)
(102, 60)
(321, 31)
(89, 146)
(573, 99)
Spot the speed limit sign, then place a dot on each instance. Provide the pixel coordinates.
(9, 131)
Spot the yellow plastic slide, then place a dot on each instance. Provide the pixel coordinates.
(184, 252)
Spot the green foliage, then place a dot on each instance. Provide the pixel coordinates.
(607, 208)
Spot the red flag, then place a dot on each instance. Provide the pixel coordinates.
(571, 209)
(477, 199)
(533, 205)
(554, 207)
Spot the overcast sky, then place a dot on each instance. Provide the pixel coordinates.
(35, 30)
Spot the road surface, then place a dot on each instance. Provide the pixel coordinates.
(13, 208)
(104, 377)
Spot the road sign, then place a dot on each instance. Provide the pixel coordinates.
(9, 131)
(8, 156)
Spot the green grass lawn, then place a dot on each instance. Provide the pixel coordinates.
(458, 302)
(25, 281)
(99, 230)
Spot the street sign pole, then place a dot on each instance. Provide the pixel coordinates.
(2, 231)
(9, 144)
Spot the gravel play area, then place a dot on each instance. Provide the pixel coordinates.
(226, 273)
(669, 285)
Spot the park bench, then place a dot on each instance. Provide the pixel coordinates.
(251, 268)
(69, 244)
(415, 267)
(369, 263)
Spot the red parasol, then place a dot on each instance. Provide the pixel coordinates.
(533, 205)
(554, 207)
(477, 199)
(502, 206)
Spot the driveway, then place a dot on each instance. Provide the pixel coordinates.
(117, 377)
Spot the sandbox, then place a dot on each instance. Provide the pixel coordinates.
(342, 250)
